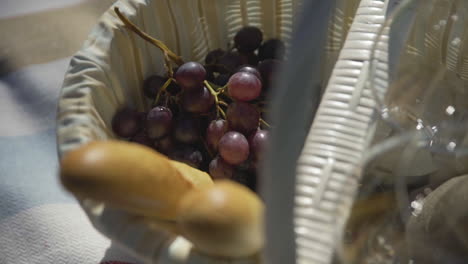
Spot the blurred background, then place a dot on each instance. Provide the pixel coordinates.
(39, 222)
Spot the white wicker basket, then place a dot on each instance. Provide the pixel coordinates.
(328, 170)
(113, 63)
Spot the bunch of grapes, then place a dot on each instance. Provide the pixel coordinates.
(210, 116)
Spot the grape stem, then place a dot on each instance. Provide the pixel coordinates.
(264, 123)
(220, 110)
(178, 60)
(162, 90)
(167, 64)
(222, 89)
(217, 102)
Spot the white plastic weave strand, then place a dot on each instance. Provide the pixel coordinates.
(327, 170)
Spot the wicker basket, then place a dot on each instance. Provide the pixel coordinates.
(113, 63)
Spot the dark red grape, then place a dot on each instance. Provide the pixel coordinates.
(222, 79)
(258, 142)
(158, 122)
(267, 69)
(126, 122)
(187, 130)
(164, 145)
(209, 74)
(142, 118)
(143, 139)
(249, 58)
(194, 158)
(246, 178)
(219, 169)
(173, 88)
(152, 85)
(242, 117)
(216, 129)
(230, 62)
(197, 101)
(190, 75)
(244, 86)
(272, 49)
(251, 70)
(187, 155)
(246, 164)
(213, 56)
(248, 39)
(233, 148)
(205, 120)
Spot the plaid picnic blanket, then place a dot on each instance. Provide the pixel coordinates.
(39, 221)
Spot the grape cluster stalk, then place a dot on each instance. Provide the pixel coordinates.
(210, 116)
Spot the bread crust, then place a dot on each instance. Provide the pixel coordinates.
(129, 176)
(224, 220)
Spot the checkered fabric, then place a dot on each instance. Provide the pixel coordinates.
(39, 221)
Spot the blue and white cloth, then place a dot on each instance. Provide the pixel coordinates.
(39, 221)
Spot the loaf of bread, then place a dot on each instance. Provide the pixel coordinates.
(223, 220)
(131, 177)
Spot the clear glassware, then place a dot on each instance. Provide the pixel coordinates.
(418, 71)
(411, 205)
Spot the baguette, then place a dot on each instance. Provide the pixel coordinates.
(224, 220)
(131, 177)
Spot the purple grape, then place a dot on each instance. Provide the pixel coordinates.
(142, 118)
(242, 117)
(213, 56)
(234, 148)
(229, 62)
(164, 145)
(249, 58)
(206, 118)
(248, 39)
(197, 101)
(143, 139)
(216, 129)
(272, 49)
(258, 142)
(187, 130)
(209, 74)
(187, 155)
(173, 88)
(246, 164)
(152, 85)
(244, 86)
(246, 178)
(267, 69)
(126, 122)
(158, 122)
(219, 169)
(251, 70)
(190, 75)
(222, 79)
(194, 158)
